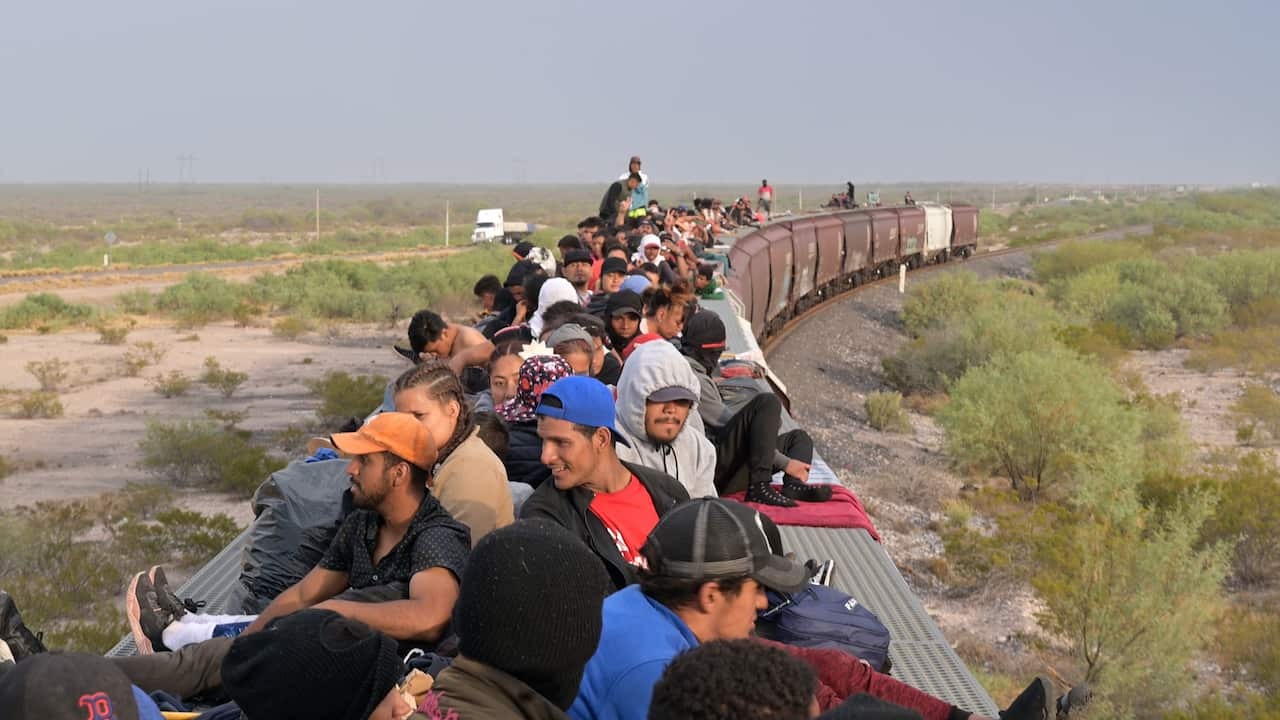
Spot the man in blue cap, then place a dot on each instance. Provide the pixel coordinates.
(609, 504)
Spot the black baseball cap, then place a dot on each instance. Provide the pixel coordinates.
(705, 330)
(624, 302)
(613, 265)
(70, 686)
(712, 539)
(577, 256)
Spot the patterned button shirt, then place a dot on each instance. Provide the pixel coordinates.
(434, 539)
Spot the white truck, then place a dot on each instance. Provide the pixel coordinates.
(490, 227)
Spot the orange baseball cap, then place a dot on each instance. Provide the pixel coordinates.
(393, 432)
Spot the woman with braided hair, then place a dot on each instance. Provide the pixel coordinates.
(469, 480)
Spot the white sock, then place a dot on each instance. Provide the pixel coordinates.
(186, 632)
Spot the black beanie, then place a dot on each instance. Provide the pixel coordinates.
(530, 606)
(310, 664)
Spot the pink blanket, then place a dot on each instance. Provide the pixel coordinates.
(843, 510)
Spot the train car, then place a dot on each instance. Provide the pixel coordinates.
(937, 232)
(830, 236)
(749, 258)
(884, 242)
(964, 234)
(804, 249)
(911, 235)
(781, 283)
(858, 263)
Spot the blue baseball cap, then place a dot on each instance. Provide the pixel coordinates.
(580, 400)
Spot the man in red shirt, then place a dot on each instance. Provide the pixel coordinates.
(609, 504)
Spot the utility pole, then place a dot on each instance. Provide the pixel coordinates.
(446, 223)
(317, 214)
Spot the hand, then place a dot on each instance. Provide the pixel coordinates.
(624, 204)
(798, 470)
(522, 313)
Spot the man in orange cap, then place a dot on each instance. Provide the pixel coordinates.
(394, 565)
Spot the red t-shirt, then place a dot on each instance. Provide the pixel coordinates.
(628, 515)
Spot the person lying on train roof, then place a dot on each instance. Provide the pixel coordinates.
(608, 503)
(656, 413)
(394, 565)
(749, 447)
(706, 566)
(430, 336)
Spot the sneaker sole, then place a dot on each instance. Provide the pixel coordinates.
(134, 611)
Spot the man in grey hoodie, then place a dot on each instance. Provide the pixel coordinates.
(657, 413)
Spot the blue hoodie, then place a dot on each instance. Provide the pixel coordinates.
(639, 638)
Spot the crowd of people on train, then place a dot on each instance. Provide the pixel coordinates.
(536, 526)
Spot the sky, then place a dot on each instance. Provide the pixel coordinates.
(565, 92)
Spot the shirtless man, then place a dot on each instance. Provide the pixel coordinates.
(462, 346)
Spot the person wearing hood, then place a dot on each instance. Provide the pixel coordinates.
(622, 318)
(749, 448)
(650, 251)
(554, 290)
(657, 414)
(524, 452)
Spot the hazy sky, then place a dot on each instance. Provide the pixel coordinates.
(415, 90)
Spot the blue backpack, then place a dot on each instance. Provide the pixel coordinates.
(823, 617)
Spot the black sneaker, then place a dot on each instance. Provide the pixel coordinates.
(147, 618)
(765, 494)
(820, 573)
(21, 641)
(1075, 699)
(1035, 703)
(805, 492)
(168, 599)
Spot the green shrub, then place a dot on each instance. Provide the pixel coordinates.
(114, 334)
(140, 356)
(885, 413)
(931, 304)
(40, 404)
(199, 299)
(1250, 640)
(1039, 418)
(6, 467)
(291, 327)
(1117, 582)
(43, 310)
(205, 453)
(1144, 318)
(1259, 406)
(137, 301)
(220, 379)
(1248, 516)
(1010, 322)
(344, 396)
(63, 562)
(1069, 259)
(51, 374)
(172, 385)
(245, 313)
(1254, 349)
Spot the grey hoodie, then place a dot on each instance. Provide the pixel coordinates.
(691, 459)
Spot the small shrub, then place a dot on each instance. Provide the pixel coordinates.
(172, 385)
(343, 396)
(291, 327)
(3, 338)
(51, 374)
(885, 413)
(931, 304)
(6, 467)
(199, 299)
(1259, 406)
(140, 356)
(44, 310)
(228, 418)
(40, 404)
(114, 334)
(1250, 640)
(1248, 516)
(220, 379)
(205, 453)
(136, 302)
(245, 313)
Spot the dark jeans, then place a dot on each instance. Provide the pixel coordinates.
(746, 445)
(197, 668)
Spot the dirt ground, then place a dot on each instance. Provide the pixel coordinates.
(94, 447)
